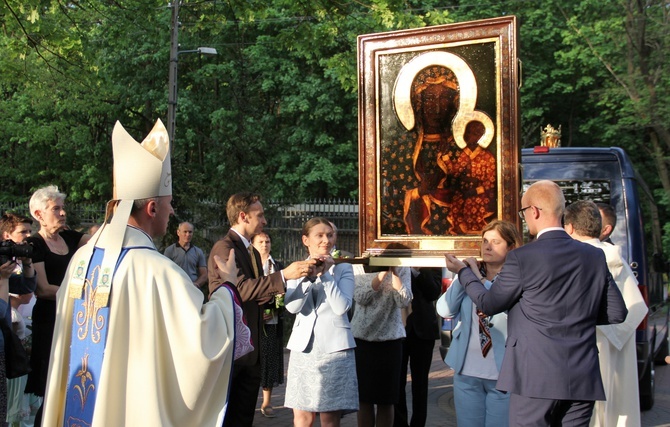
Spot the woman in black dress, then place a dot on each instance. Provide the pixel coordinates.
(53, 247)
(272, 338)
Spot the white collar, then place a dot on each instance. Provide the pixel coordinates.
(141, 231)
(244, 239)
(550, 229)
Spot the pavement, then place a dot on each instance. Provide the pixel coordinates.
(659, 415)
(441, 400)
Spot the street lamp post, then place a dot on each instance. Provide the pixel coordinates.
(172, 77)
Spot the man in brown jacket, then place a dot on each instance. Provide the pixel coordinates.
(246, 216)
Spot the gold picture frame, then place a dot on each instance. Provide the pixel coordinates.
(438, 139)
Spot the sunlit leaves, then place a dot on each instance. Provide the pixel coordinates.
(276, 110)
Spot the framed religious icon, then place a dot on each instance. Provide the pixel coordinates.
(438, 138)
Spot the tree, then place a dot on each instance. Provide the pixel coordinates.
(61, 95)
(276, 110)
(631, 95)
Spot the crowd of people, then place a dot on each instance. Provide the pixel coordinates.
(121, 334)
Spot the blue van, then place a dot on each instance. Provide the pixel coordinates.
(607, 175)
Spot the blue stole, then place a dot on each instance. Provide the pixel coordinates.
(89, 335)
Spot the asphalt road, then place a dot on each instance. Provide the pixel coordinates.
(659, 415)
(440, 400)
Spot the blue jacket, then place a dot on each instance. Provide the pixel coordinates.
(321, 310)
(455, 302)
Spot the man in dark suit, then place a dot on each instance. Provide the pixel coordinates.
(556, 290)
(246, 216)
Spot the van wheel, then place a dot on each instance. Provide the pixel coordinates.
(647, 387)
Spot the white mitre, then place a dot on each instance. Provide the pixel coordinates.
(141, 171)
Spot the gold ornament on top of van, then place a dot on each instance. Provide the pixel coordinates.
(550, 136)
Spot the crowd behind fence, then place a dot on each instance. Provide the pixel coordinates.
(285, 221)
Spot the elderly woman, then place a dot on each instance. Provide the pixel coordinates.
(272, 338)
(53, 247)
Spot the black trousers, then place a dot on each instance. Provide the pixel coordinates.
(419, 354)
(246, 380)
(531, 412)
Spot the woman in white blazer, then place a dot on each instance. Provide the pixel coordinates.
(476, 354)
(322, 368)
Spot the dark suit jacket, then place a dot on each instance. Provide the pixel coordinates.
(426, 288)
(253, 291)
(556, 290)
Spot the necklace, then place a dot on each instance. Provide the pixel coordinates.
(57, 245)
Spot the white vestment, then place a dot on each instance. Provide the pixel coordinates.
(168, 356)
(617, 352)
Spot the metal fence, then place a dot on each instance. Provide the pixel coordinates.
(285, 221)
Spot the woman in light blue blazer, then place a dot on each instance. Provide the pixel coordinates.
(322, 368)
(477, 348)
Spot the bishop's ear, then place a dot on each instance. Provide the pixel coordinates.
(150, 208)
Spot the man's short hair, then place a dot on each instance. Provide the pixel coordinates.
(139, 204)
(10, 221)
(240, 202)
(608, 214)
(584, 217)
(262, 233)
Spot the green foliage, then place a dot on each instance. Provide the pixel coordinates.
(276, 110)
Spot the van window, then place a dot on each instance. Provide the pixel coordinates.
(596, 177)
(595, 190)
(598, 191)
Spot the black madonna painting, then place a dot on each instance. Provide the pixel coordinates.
(446, 143)
(437, 135)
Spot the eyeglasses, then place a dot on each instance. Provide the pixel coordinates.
(522, 211)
